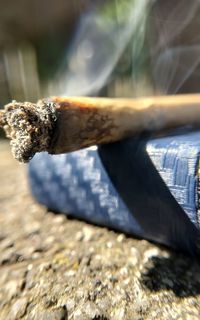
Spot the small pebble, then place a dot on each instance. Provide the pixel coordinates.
(18, 309)
(50, 314)
(120, 237)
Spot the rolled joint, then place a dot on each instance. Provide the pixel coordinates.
(29, 126)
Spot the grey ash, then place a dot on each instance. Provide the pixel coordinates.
(29, 126)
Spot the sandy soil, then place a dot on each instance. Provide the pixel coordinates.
(52, 267)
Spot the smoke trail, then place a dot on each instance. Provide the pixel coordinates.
(175, 51)
(171, 18)
(174, 66)
(163, 32)
(98, 45)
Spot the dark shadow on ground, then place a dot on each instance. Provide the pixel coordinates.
(177, 273)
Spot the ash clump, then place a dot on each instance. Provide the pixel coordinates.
(29, 126)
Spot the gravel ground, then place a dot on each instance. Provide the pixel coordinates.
(54, 268)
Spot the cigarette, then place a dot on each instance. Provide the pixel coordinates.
(64, 124)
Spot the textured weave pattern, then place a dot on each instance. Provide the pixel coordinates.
(78, 183)
(176, 159)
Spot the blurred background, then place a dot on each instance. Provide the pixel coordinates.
(112, 48)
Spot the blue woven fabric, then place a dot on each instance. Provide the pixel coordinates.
(141, 187)
(176, 159)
